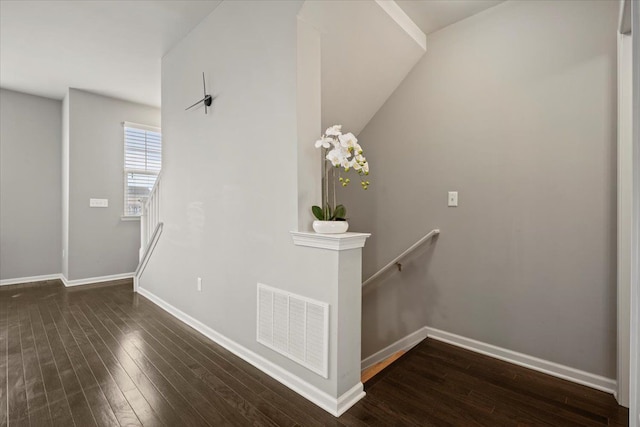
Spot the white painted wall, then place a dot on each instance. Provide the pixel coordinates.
(30, 199)
(514, 108)
(99, 242)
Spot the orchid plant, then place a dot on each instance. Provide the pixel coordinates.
(344, 154)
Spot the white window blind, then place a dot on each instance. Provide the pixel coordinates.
(142, 164)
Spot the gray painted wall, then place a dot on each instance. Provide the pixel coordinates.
(514, 108)
(30, 199)
(230, 182)
(99, 242)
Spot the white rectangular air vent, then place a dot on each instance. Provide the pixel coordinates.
(295, 326)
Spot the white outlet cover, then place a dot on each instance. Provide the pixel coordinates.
(98, 203)
(453, 199)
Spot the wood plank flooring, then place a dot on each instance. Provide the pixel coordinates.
(101, 355)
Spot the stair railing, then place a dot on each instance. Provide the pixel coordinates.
(396, 260)
(150, 230)
(150, 217)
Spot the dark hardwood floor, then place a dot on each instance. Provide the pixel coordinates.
(102, 355)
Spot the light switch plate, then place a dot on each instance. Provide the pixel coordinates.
(453, 198)
(98, 203)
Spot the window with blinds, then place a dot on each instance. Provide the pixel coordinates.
(142, 164)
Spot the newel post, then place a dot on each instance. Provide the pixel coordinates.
(345, 250)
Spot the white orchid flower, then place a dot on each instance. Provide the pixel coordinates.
(338, 157)
(324, 142)
(348, 140)
(334, 157)
(335, 130)
(343, 151)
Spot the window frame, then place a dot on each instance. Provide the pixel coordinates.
(147, 128)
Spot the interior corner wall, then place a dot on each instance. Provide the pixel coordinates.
(514, 108)
(64, 161)
(634, 410)
(100, 243)
(624, 212)
(30, 173)
(309, 100)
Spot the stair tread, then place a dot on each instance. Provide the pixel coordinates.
(372, 371)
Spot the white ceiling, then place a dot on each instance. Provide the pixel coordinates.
(114, 47)
(108, 47)
(366, 52)
(432, 15)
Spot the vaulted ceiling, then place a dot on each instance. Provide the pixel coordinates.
(115, 47)
(433, 15)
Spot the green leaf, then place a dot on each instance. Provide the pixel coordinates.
(328, 216)
(340, 212)
(317, 212)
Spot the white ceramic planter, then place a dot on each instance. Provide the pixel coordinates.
(330, 227)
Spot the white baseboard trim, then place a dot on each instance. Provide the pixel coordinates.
(92, 280)
(348, 399)
(335, 406)
(21, 280)
(405, 343)
(65, 281)
(597, 382)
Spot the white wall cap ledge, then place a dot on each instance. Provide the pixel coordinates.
(334, 242)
